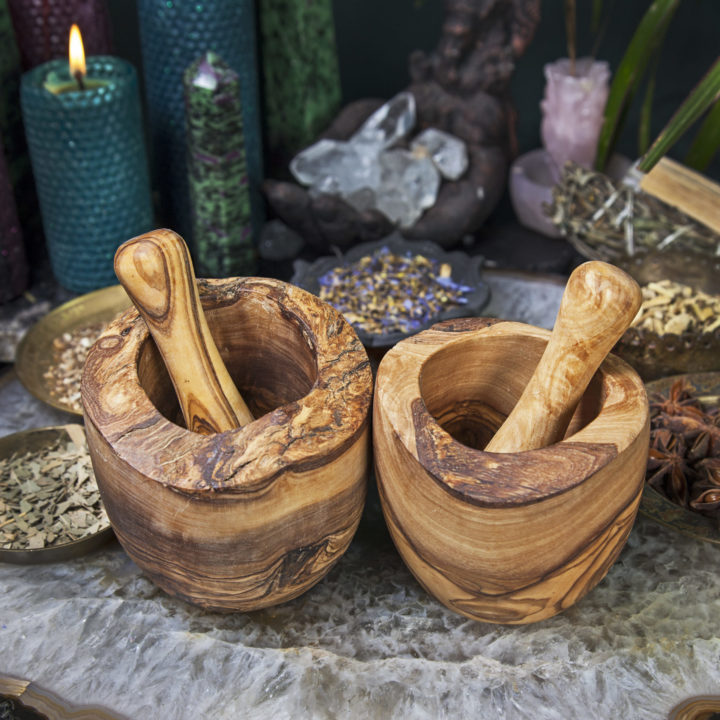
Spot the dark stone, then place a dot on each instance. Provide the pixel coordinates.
(279, 242)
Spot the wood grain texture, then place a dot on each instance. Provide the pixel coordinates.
(598, 305)
(687, 190)
(156, 271)
(511, 537)
(254, 516)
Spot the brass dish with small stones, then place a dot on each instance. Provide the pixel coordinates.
(34, 354)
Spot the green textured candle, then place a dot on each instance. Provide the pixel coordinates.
(300, 67)
(217, 170)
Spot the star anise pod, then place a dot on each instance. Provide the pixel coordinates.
(699, 433)
(668, 470)
(680, 401)
(706, 500)
(708, 471)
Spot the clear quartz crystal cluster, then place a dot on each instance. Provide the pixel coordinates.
(369, 171)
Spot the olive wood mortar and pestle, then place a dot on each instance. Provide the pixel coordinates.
(260, 492)
(515, 527)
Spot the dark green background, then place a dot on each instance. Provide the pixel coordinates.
(375, 37)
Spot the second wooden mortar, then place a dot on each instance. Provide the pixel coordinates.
(503, 537)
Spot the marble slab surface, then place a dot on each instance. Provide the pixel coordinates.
(368, 642)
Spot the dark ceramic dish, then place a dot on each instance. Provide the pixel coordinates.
(466, 270)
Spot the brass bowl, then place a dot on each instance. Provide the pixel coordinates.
(655, 505)
(655, 356)
(33, 440)
(28, 700)
(34, 354)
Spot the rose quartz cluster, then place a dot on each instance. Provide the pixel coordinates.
(573, 109)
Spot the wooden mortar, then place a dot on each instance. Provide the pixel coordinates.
(254, 516)
(503, 537)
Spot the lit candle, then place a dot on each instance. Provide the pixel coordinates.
(58, 82)
(88, 155)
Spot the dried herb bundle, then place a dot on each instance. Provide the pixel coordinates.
(605, 220)
(684, 459)
(68, 359)
(49, 497)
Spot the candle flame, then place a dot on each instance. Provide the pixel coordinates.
(77, 53)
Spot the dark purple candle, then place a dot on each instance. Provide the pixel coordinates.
(13, 265)
(42, 28)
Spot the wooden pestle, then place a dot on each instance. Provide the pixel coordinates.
(598, 305)
(156, 271)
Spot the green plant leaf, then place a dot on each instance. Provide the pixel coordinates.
(646, 41)
(645, 122)
(702, 97)
(706, 142)
(596, 15)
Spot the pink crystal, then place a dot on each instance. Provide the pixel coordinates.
(573, 109)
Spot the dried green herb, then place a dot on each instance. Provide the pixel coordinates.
(49, 497)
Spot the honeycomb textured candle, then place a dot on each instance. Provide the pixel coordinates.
(300, 68)
(217, 171)
(43, 28)
(88, 155)
(173, 35)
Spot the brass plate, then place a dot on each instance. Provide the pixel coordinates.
(655, 505)
(34, 353)
(26, 699)
(31, 440)
(702, 707)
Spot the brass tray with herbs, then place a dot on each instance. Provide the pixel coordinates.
(50, 505)
(50, 358)
(682, 488)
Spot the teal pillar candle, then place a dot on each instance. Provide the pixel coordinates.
(217, 171)
(88, 156)
(300, 68)
(173, 35)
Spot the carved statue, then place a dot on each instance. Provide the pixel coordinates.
(462, 88)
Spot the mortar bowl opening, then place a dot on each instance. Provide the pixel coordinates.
(469, 387)
(268, 356)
